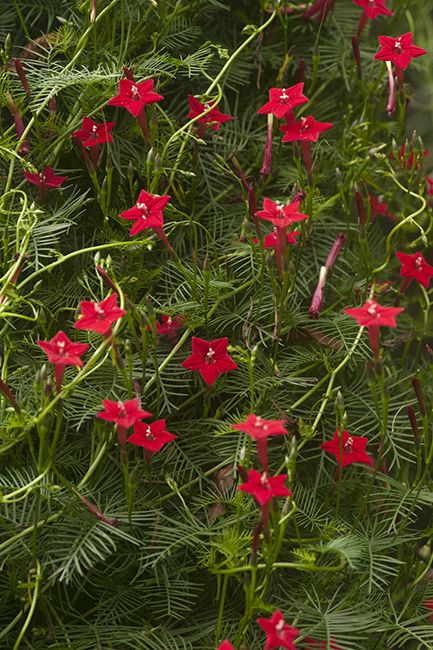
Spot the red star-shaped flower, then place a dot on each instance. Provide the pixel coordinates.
(99, 316)
(124, 414)
(214, 118)
(378, 206)
(264, 487)
(281, 216)
(151, 436)
(134, 96)
(374, 8)
(306, 129)
(225, 645)
(283, 100)
(147, 212)
(92, 133)
(415, 266)
(47, 179)
(373, 314)
(259, 428)
(347, 449)
(168, 325)
(209, 358)
(429, 185)
(279, 634)
(271, 240)
(61, 350)
(399, 51)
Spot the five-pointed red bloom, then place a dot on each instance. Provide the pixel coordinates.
(134, 96)
(279, 634)
(47, 179)
(258, 427)
(61, 350)
(225, 645)
(283, 100)
(209, 358)
(281, 216)
(429, 185)
(271, 240)
(92, 133)
(147, 212)
(347, 449)
(264, 487)
(378, 206)
(124, 414)
(306, 129)
(373, 314)
(374, 8)
(99, 316)
(399, 51)
(214, 118)
(151, 436)
(415, 266)
(168, 325)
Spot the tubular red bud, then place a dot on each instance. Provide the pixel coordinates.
(390, 107)
(357, 56)
(414, 424)
(22, 75)
(267, 156)
(419, 394)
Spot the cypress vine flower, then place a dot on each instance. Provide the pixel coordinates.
(260, 429)
(167, 325)
(225, 645)
(283, 100)
(47, 179)
(347, 449)
(209, 358)
(415, 267)
(147, 213)
(214, 118)
(61, 352)
(124, 415)
(264, 488)
(92, 134)
(307, 129)
(99, 316)
(281, 216)
(373, 316)
(279, 634)
(379, 206)
(152, 437)
(400, 51)
(135, 96)
(374, 8)
(271, 240)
